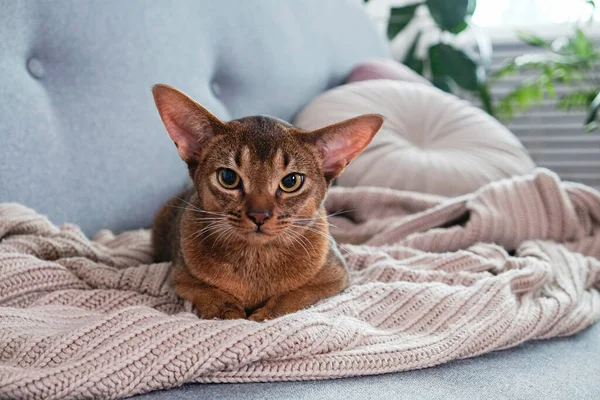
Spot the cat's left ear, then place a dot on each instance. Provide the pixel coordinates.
(189, 124)
(342, 142)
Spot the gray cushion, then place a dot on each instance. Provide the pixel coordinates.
(80, 138)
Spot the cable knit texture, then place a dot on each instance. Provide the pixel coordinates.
(433, 280)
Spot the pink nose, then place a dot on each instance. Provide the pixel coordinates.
(259, 216)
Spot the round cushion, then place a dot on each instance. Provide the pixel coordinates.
(431, 141)
(384, 68)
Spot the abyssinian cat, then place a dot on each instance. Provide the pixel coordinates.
(251, 240)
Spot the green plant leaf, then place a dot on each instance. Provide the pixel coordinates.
(590, 127)
(593, 110)
(471, 7)
(581, 99)
(591, 3)
(443, 83)
(581, 45)
(459, 28)
(568, 61)
(506, 69)
(456, 64)
(411, 60)
(534, 40)
(554, 67)
(449, 15)
(504, 109)
(550, 89)
(399, 18)
(486, 99)
(523, 97)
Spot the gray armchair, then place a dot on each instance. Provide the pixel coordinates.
(80, 141)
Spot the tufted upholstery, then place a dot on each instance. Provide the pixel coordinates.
(80, 138)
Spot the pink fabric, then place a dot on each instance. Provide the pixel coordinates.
(95, 318)
(383, 68)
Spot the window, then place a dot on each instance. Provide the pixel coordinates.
(553, 137)
(507, 13)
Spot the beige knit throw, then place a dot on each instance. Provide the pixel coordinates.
(438, 279)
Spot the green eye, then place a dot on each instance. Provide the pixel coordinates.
(228, 178)
(292, 182)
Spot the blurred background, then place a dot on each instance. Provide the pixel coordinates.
(531, 64)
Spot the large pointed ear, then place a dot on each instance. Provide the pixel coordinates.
(342, 142)
(189, 124)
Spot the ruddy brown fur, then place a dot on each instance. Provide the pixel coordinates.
(254, 251)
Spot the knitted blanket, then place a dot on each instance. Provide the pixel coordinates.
(433, 280)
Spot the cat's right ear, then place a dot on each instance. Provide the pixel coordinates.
(189, 124)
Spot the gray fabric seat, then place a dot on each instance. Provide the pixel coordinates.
(80, 140)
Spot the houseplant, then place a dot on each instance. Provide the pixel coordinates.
(436, 26)
(570, 60)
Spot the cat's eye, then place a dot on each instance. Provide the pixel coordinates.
(292, 182)
(228, 178)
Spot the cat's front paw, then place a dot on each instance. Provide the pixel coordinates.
(225, 310)
(263, 314)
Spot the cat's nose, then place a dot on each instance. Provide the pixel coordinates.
(259, 216)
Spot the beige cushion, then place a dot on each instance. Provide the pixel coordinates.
(431, 141)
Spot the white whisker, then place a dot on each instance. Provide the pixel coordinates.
(199, 210)
(302, 237)
(224, 232)
(326, 236)
(218, 229)
(315, 222)
(201, 231)
(228, 237)
(296, 240)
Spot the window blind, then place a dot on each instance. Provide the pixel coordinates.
(554, 138)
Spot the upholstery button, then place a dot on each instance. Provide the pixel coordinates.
(35, 68)
(216, 88)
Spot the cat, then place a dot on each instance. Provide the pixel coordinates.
(251, 239)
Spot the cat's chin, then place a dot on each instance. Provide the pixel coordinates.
(259, 237)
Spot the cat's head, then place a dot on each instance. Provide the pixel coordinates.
(260, 174)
